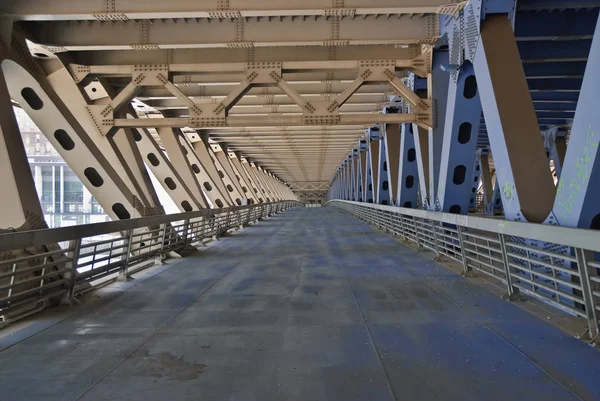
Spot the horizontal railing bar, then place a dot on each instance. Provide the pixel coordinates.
(573, 237)
(22, 239)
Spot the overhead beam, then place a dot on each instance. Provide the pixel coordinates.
(362, 99)
(260, 121)
(242, 55)
(77, 10)
(204, 33)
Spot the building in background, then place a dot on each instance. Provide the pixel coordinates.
(64, 199)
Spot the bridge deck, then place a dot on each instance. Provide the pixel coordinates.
(309, 305)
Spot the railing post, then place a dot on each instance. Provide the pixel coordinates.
(186, 225)
(123, 276)
(587, 289)
(511, 290)
(73, 278)
(414, 219)
(163, 238)
(404, 237)
(463, 252)
(435, 240)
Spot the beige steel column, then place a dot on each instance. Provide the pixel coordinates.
(225, 165)
(193, 174)
(269, 183)
(48, 111)
(259, 190)
(21, 208)
(228, 180)
(252, 186)
(164, 171)
(208, 163)
(251, 166)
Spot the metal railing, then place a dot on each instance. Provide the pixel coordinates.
(37, 266)
(551, 263)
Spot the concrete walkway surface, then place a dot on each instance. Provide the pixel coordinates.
(310, 305)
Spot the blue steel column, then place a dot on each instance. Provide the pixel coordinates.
(350, 187)
(343, 181)
(362, 166)
(555, 142)
(440, 81)
(373, 165)
(475, 182)
(383, 190)
(519, 156)
(421, 139)
(348, 179)
(496, 206)
(559, 151)
(354, 159)
(391, 137)
(577, 201)
(408, 173)
(461, 129)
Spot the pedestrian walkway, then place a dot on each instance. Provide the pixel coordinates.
(310, 305)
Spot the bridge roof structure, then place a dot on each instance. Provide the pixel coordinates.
(209, 48)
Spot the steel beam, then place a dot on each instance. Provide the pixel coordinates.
(75, 10)
(203, 33)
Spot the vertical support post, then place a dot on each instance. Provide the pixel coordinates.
(588, 287)
(435, 239)
(511, 289)
(73, 278)
(466, 269)
(186, 225)
(123, 276)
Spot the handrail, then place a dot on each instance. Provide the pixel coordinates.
(34, 269)
(13, 240)
(573, 237)
(551, 263)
